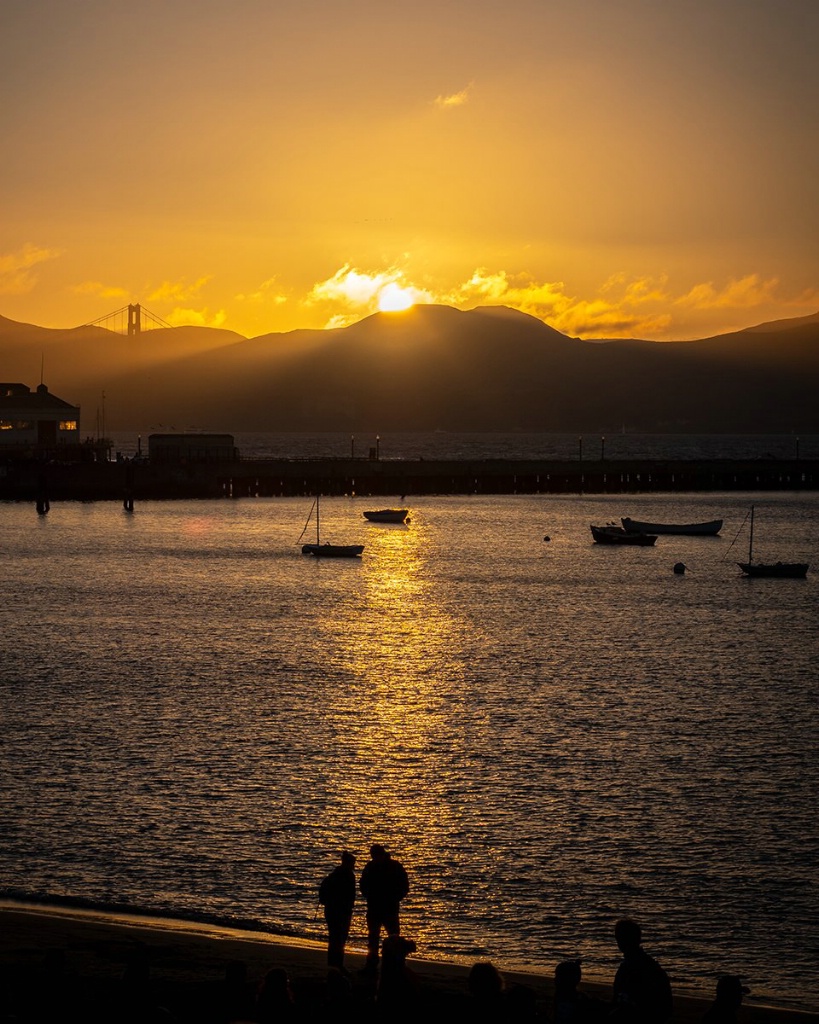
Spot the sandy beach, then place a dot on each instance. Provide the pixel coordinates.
(55, 960)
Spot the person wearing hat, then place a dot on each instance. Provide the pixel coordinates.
(383, 885)
(723, 1010)
(337, 896)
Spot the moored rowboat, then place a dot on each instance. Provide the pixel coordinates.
(387, 515)
(617, 535)
(709, 529)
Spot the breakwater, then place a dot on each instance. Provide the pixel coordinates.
(131, 481)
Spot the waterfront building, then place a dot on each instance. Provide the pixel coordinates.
(36, 420)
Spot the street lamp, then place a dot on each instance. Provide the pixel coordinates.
(580, 448)
(602, 448)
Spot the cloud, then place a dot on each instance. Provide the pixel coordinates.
(97, 288)
(618, 309)
(178, 291)
(196, 318)
(16, 268)
(745, 293)
(359, 293)
(456, 99)
(264, 293)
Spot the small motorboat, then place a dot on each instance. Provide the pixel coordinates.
(387, 515)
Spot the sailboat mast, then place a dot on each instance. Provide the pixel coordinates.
(751, 539)
(318, 541)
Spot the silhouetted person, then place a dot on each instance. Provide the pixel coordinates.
(723, 1010)
(138, 1004)
(398, 992)
(487, 988)
(521, 1005)
(337, 896)
(234, 1000)
(383, 884)
(642, 991)
(275, 1000)
(570, 1005)
(339, 1005)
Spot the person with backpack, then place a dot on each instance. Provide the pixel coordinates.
(337, 896)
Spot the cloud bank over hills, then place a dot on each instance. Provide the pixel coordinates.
(428, 368)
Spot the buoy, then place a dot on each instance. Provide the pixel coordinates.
(547, 537)
(679, 568)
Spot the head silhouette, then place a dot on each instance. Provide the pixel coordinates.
(485, 980)
(628, 936)
(567, 975)
(730, 990)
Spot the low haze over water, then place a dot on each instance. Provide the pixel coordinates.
(549, 734)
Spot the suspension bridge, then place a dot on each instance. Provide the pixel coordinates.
(131, 320)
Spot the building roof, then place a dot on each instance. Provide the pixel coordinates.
(19, 396)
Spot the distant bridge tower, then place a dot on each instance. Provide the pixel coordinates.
(134, 319)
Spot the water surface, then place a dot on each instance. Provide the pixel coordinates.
(549, 734)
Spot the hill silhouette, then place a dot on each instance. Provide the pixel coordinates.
(428, 368)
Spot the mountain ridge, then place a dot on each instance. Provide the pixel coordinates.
(431, 367)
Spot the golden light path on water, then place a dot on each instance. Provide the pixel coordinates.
(401, 649)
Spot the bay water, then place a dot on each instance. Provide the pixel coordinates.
(549, 734)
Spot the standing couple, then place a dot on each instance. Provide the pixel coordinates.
(383, 885)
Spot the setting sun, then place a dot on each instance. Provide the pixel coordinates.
(393, 298)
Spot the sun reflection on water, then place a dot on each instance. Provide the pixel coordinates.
(405, 652)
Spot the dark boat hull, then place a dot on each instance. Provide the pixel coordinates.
(617, 535)
(775, 570)
(332, 550)
(387, 515)
(709, 529)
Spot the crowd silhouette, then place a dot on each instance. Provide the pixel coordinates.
(387, 987)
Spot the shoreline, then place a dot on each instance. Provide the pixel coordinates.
(188, 960)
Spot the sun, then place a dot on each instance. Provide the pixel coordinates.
(393, 298)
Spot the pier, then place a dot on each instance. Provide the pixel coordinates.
(131, 482)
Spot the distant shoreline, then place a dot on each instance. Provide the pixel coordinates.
(28, 480)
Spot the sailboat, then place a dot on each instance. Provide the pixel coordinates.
(775, 570)
(327, 550)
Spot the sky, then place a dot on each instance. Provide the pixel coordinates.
(641, 168)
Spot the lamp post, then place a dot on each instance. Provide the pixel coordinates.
(602, 449)
(352, 446)
(580, 448)
(797, 449)
(377, 447)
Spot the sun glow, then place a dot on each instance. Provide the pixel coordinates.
(393, 298)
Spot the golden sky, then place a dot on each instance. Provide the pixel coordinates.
(614, 167)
